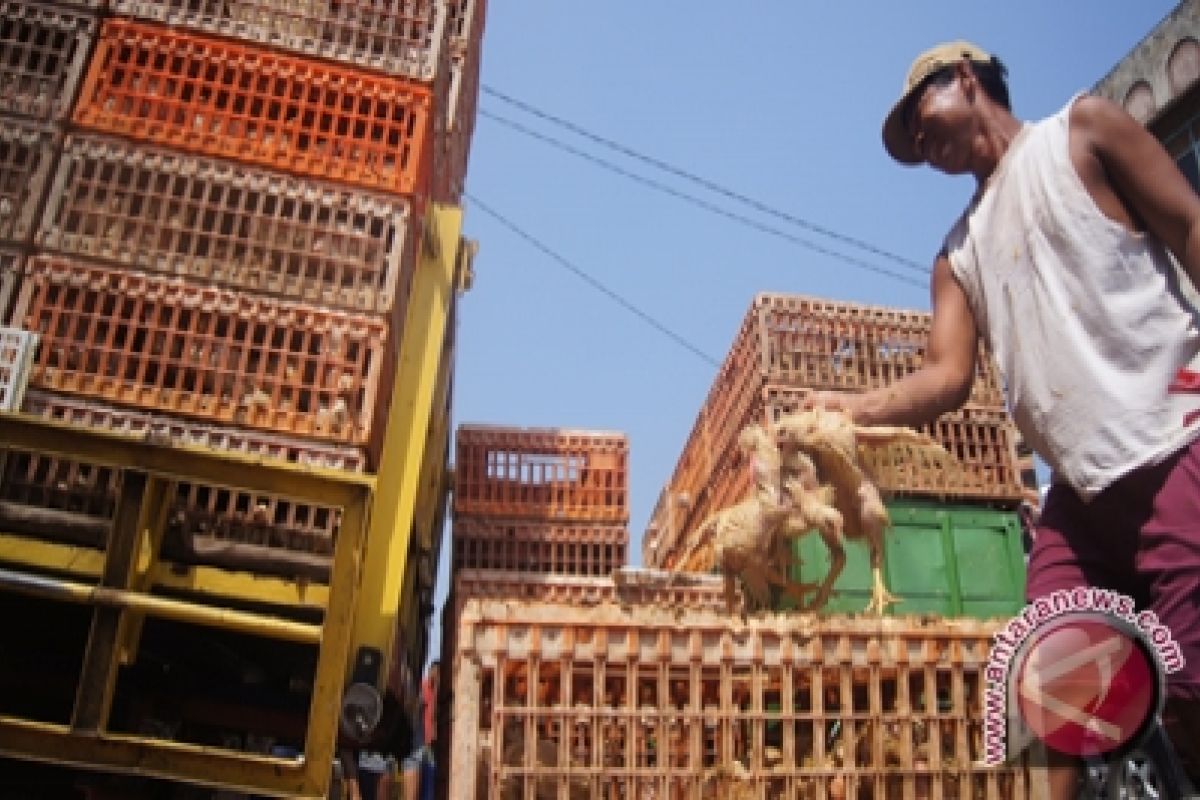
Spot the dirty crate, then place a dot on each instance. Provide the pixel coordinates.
(551, 547)
(45, 50)
(400, 37)
(218, 525)
(217, 97)
(714, 475)
(808, 343)
(11, 263)
(541, 474)
(952, 560)
(27, 151)
(228, 224)
(167, 344)
(550, 700)
(454, 144)
(982, 440)
(626, 585)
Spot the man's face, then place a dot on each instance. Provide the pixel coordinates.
(939, 119)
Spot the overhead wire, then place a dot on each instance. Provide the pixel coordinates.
(582, 274)
(700, 203)
(706, 183)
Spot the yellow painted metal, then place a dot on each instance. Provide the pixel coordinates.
(85, 562)
(335, 652)
(430, 305)
(184, 462)
(100, 749)
(162, 607)
(102, 655)
(247, 772)
(149, 541)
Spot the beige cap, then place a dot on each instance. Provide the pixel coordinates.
(896, 138)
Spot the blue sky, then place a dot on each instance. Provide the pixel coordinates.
(779, 101)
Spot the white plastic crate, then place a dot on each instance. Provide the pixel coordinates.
(16, 356)
(400, 37)
(229, 224)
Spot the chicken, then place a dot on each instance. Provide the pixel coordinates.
(837, 448)
(747, 542)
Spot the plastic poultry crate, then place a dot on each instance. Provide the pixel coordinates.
(27, 151)
(228, 224)
(167, 344)
(549, 547)
(16, 355)
(45, 50)
(624, 701)
(178, 431)
(400, 37)
(982, 441)
(628, 585)
(810, 343)
(11, 262)
(220, 98)
(207, 524)
(74, 502)
(541, 474)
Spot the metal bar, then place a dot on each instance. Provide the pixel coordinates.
(101, 659)
(429, 307)
(183, 462)
(334, 657)
(207, 581)
(158, 495)
(162, 607)
(158, 758)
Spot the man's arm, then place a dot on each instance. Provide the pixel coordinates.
(1133, 180)
(944, 380)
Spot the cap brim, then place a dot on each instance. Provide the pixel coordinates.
(896, 139)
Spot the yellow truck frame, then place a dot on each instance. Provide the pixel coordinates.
(368, 606)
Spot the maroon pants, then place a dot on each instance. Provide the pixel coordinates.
(1140, 537)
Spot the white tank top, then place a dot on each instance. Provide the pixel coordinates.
(1086, 319)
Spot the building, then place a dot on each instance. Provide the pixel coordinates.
(1158, 82)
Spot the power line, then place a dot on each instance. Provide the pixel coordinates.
(595, 284)
(696, 201)
(712, 186)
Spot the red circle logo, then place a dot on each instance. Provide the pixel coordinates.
(1087, 685)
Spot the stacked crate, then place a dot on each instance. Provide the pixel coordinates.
(789, 346)
(620, 700)
(540, 500)
(210, 217)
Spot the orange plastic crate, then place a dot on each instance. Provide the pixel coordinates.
(541, 474)
(216, 97)
(400, 37)
(621, 700)
(229, 224)
(167, 344)
(549, 547)
(45, 49)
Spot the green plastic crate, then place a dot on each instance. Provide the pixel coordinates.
(950, 560)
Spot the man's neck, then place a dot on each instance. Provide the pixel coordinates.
(998, 130)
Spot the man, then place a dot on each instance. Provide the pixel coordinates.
(1060, 263)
